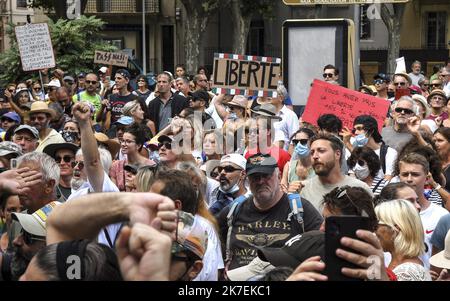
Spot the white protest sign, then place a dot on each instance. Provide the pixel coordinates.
(111, 58)
(35, 46)
(401, 66)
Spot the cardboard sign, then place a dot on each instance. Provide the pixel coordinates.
(346, 104)
(246, 75)
(35, 46)
(111, 58)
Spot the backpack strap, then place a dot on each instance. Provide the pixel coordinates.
(383, 152)
(234, 210)
(295, 202)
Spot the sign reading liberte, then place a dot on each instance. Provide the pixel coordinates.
(337, 2)
(35, 46)
(246, 75)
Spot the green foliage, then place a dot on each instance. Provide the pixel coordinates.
(74, 44)
(263, 7)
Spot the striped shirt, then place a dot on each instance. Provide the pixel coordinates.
(378, 184)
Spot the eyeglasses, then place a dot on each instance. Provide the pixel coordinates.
(402, 84)
(66, 159)
(378, 81)
(302, 141)
(227, 169)
(327, 75)
(37, 88)
(404, 111)
(167, 145)
(91, 82)
(29, 238)
(128, 141)
(39, 118)
(437, 98)
(80, 164)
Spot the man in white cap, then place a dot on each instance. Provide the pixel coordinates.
(232, 181)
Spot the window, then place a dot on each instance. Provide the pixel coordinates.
(21, 3)
(365, 28)
(436, 30)
(255, 42)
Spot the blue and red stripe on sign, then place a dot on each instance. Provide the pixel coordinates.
(248, 57)
(259, 93)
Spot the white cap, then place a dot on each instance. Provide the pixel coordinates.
(103, 69)
(236, 159)
(54, 83)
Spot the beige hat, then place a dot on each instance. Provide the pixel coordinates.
(423, 101)
(238, 101)
(437, 92)
(402, 74)
(442, 259)
(112, 145)
(41, 107)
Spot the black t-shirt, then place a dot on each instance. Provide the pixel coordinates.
(63, 193)
(117, 102)
(253, 229)
(447, 177)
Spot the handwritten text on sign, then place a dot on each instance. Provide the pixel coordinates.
(111, 58)
(35, 46)
(347, 104)
(247, 74)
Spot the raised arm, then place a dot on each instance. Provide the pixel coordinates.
(218, 103)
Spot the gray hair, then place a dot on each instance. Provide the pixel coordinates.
(130, 107)
(415, 108)
(48, 166)
(184, 79)
(422, 80)
(189, 166)
(416, 62)
(282, 91)
(105, 158)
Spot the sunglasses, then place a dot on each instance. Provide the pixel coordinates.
(361, 163)
(378, 81)
(29, 238)
(327, 75)
(91, 82)
(141, 81)
(341, 192)
(302, 141)
(404, 111)
(426, 85)
(66, 159)
(167, 145)
(80, 164)
(227, 169)
(402, 84)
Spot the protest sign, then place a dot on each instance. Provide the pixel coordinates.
(246, 75)
(35, 46)
(346, 104)
(111, 58)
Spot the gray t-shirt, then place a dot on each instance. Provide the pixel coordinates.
(438, 237)
(314, 190)
(394, 139)
(415, 78)
(165, 114)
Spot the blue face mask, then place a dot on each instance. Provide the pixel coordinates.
(360, 140)
(302, 150)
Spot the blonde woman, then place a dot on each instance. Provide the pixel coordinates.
(136, 110)
(401, 234)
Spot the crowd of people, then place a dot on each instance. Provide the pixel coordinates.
(174, 182)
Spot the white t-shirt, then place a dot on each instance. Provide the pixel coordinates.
(391, 157)
(431, 124)
(288, 125)
(430, 217)
(108, 186)
(211, 110)
(212, 260)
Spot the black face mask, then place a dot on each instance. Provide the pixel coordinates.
(71, 137)
(391, 94)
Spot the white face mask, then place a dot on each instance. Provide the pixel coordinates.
(361, 172)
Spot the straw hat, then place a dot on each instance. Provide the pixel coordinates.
(112, 145)
(442, 259)
(41, 107)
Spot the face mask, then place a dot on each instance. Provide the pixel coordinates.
(391, 94)
(232, 190)
(361, 172)
(70, 137)
(360, 140)
(302, 150)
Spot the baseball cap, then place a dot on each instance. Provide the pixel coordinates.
(26, 127)
(235, 159)
(124, 73)
(8, 148)
(133, 168)
(125, 120)
(103, 69)
(295, 250)
(190, 236)
(13, 116)
(35, 223)
(54, 83)
(442, 259)
(260, 163)
(81, 75)
(382, 76)
(68, 78)
(256, 267)
(164, 138)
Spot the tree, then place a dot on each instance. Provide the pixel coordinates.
(59, 6)
(393, 22)
(74, 44)
(242, 12)
(197, 17)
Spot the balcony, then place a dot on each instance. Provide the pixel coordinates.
(121, 6)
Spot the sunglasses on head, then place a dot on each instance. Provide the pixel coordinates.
(80, 164)
(327, 75)
(167, 145)
(301, 141)
(227, 169)
(404, 111)
(29, 238)
(66, 159)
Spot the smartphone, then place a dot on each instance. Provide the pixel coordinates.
(13, 163)
(337, 227)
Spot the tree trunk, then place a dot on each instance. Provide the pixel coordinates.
(192, 43)
(241, 26)
(393, 22)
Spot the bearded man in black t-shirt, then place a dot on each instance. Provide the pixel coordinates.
(262, 220)
(118, 101)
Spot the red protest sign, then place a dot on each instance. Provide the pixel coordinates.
(347, 104)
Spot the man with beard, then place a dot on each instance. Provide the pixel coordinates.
(63, 97)
(326, 152)
(40, 118)
(232, 182)
(30, 240)
(265, 218)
